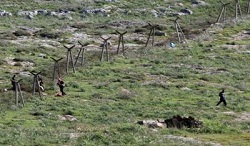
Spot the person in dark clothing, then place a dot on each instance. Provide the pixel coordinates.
(13, 82)
(40, 83)
(222, 98)
(61, 85)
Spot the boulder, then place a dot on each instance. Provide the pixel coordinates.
(67, 118)
(199, 3)
(152, 123)
(4, 13)
(180, 122)
(187, 11)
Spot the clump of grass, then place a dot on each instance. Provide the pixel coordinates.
(22, 33)
(50, 34)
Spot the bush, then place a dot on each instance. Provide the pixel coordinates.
(51, 34)
(22, 33)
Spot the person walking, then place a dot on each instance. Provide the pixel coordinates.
(61, 85)
(222, 98)
(40, 83)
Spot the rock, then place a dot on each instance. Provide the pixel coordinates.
(42, 55)
(152, 124)
(109, 44)
(62, 15)
(245, 52)
(95, 11)
(42, 12)
(154, 12)
(67, 118)
(179, 122)
(125, 93)
(180, 4)
(160, 33)
(199, 3)
(27, 74)
(28, 14)
(4, 13)
(22, 33)
(187, 11)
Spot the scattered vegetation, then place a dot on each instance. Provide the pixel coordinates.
(105, 100)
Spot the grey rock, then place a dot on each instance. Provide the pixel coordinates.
(199, 3)
(63, 15)
(26, 13)
(42, 12)
(187, 11)
(42, 55)
(160, 33)
(154, 12)
(4, 13)
(95, 11)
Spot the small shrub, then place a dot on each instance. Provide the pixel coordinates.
(51, 34)
(8, 35)
(18, 64)
(81, 25)
(97, 96)
(2, 61)
(73, 85)
(22, 33)
(3, 43)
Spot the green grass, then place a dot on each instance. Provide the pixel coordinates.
(108, 98)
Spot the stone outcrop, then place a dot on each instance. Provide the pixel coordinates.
(4, 13)
(174, 122)
(180, 122)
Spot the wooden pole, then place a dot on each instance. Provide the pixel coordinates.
(153, 37)
(69, 55)
(240, 10)
(180, 34)
(78, 55)
(237, 8)
(224, 15)
(17, 92)
(148, 37)
(20, 92)
(72, 63)
(34, 86)
(102, 51)
(67, 60)
(36, 83)
(105, 47)
(223, 12)
(123, 48)
(152, 32)
(107, 51)
(121, 41)
(56, 67)
(177, 31)
(248, 7)
(82, 50)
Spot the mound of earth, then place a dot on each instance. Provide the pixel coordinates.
(174, 122)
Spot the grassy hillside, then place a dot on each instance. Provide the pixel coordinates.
(106, 99)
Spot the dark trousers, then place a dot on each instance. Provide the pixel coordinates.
(61, 89)
(13, 86)
(222, 100)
